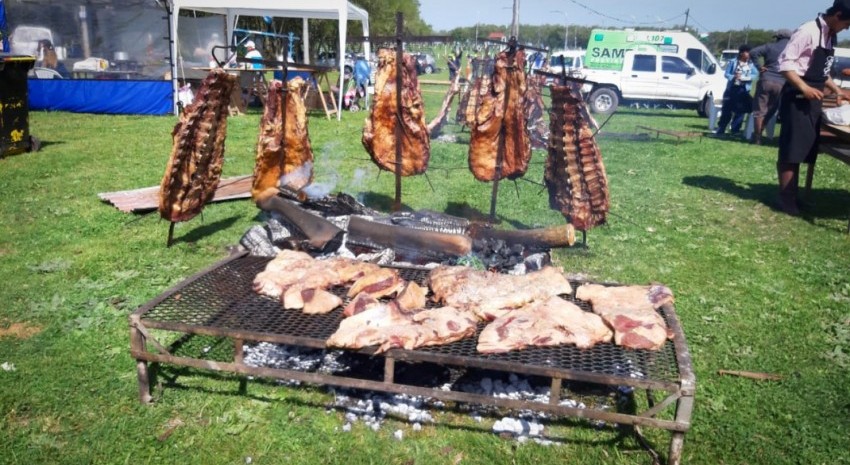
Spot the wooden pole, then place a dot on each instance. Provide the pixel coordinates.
(399, 56)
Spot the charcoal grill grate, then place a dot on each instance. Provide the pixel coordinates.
(221, 300)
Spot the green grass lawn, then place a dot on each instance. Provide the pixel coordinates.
(756, 290)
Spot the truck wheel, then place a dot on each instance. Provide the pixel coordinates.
(429, 69)
(702, 107)
(604, 101)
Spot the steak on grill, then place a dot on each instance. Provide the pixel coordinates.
(491, 295)
(379, 132)
(388, 326)
(632, 312)
(301, 282)
(549, 322)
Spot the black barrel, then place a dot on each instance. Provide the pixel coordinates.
(14, 108)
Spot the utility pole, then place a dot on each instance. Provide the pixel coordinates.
(687, 13)
(566, 29)
(515, 25)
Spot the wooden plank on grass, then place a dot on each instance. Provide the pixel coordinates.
(147, 198)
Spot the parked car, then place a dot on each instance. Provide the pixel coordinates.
(426, 64)
(654, 77)
(727, 55)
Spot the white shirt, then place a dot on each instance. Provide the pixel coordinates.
(801, 46)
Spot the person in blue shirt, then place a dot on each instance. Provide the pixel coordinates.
(253, 54)
(737, 101)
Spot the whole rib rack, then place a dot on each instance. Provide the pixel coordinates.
(194, 169)
(575, 175)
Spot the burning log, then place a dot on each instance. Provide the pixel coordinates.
(555, 236)
(318, 231)
(398, 237)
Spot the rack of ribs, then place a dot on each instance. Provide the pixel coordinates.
(500, 123)
(379, 132)
(284, 154)
(575, 175)
(632, 312)
(197, 154)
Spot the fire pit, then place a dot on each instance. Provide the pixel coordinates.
(220, 302)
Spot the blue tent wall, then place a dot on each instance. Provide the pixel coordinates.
(4, 32)
(101, 96)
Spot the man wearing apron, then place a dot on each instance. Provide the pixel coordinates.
(805, 63)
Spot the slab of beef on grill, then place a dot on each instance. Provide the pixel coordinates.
(302, 282)
(575, 175)
(500, 125)
(197, 154)
(491, 295)
(379, 132)
(284, 154)
(388, 326)
(549, 322)
(632, 312)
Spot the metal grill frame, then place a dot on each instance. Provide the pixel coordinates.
(222, 320)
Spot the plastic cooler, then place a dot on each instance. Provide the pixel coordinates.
(14, 109)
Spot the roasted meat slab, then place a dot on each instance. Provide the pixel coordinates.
(631, 311)
(492, 295)
(379, 132)
(388, 326)
(499, 124)
(284, 154)
(301, 282)
(194, 168)
(575, 175)
(549, 322)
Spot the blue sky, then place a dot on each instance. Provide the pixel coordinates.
(706, 15)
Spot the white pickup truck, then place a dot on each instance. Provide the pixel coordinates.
(653, 76)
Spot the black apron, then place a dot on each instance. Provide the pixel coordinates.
(801, 117)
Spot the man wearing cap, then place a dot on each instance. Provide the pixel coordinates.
(806, 63)
(253, 53)
(770, 80)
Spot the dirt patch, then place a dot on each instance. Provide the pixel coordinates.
(18, 330)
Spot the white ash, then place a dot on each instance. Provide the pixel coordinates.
(371, 408)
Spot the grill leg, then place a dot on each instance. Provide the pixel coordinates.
(389, 370)
(684, 408)
(239, 358)
(137, 344)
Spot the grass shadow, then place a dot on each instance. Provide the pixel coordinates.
(201, 232)
(822, 203)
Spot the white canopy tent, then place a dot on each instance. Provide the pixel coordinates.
(340, 10)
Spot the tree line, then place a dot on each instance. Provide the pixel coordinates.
(382, 22)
